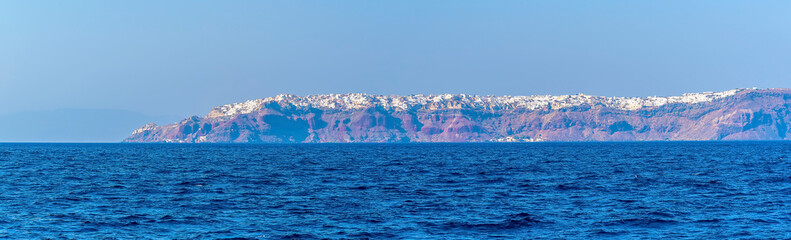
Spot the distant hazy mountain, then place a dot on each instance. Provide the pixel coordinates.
(72, 125)
(740, 114)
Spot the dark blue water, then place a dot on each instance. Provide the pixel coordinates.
(453, 191)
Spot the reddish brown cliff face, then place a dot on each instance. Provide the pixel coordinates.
(744, 115)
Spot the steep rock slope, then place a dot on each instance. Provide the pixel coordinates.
(740, 114)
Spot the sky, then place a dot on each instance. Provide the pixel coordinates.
(181, 58)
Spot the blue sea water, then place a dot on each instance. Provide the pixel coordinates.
(383, 191)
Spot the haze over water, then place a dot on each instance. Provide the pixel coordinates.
(94, 71)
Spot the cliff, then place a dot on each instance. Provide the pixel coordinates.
(740, 114)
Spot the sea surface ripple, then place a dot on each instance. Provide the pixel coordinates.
(384, 191)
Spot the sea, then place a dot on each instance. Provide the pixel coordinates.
(632, 190)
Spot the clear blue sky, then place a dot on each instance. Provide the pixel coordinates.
(183, 57)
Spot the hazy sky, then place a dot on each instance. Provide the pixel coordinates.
(183, 57)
